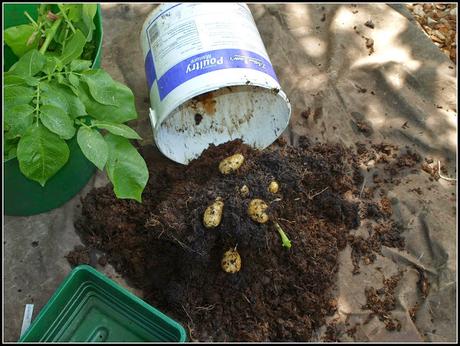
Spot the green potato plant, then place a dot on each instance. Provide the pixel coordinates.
(51, 95)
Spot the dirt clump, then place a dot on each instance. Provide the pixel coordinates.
(352, 331)
(413, 312)
(423, 283)
(79, 255)
(162, 246)
(332, 333)
(432, 170)
(382, 301)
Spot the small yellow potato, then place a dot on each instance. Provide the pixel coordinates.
(256, 210)
(231, 163)
(231, 261)
(213, 214)
(273, 187)
(244, 191)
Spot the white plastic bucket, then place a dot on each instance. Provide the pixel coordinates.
(210, 79)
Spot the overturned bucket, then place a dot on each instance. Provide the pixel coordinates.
(210, 79)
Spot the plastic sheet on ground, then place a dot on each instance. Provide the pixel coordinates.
(325, 57)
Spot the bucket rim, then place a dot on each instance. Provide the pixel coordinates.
(157, 125)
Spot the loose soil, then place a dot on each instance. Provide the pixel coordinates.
(162, 247)
(382, 301)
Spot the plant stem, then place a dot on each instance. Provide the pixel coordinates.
(56, 73)
(31, 19)
(41, 9)
(37, 106)
(285, 240)
(65, 38)
(40, 28)
(79, 122)
(66, 19)
(50, 35)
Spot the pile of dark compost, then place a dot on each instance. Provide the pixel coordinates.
(280, 294)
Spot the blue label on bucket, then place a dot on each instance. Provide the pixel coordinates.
(150, 69)
(203, 63)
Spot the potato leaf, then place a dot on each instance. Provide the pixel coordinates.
(60, 78)
(60, 36)
(17, 95)
(74, 11)
(93, 146)
(86, 23)
(79, 65)
(74, 80)
(88, 13)
(73, 48)
(101, 86)
(29, 64)
(50, 64)
(117, 129)
(15, 80)
(21, 38)
(89, 10)
(123, 112)
(61, 96)
(41, 154)
(125, 168)
(9, 148)
(57, 121)
(18, 119)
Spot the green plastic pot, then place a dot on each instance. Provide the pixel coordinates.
(89, 307)
(23, 197)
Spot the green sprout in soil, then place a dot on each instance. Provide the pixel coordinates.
(284, 238)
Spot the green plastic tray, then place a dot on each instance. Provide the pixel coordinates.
(89, 307)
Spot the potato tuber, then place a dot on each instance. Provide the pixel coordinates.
(257, 210)
(213, 214)
(231, 261)
(231, 163)
(273, 187)
(244, 191)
